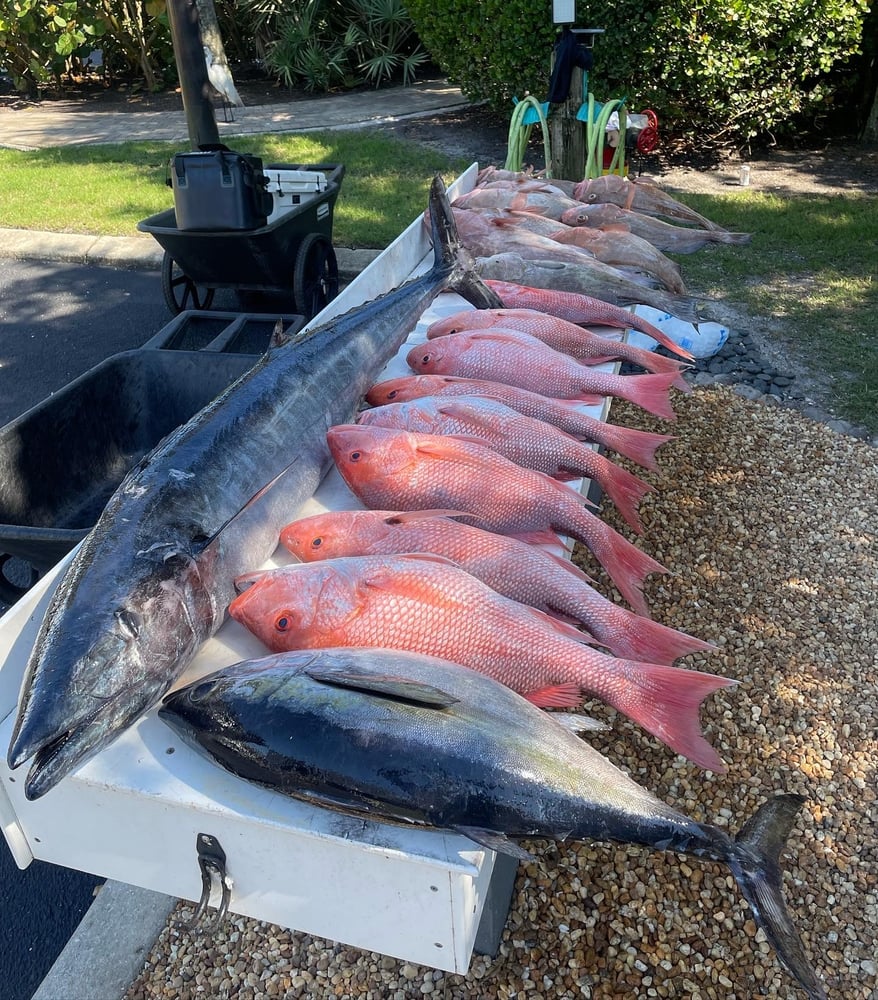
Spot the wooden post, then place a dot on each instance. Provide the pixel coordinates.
(567, 134)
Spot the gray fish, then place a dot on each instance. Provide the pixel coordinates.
(395, 736)
(152, 580)
(600, 282)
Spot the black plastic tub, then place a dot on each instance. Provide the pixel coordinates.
(61, 460)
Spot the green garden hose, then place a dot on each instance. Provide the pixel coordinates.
(519, 134)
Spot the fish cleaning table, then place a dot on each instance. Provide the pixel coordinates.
(133, 813)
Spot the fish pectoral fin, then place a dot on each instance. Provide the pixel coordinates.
(205, 541)
(384, 686)
(494, 841)
(556, 696)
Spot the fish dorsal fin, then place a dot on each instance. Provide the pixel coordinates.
(399, 689)
(278, 337)
(494, 841)
(412, 516)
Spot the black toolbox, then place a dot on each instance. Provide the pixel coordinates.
(219, 190)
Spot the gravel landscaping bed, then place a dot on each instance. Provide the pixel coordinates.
(767, 520)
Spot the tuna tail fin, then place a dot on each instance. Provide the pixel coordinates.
(450, 254)
(665, 701)
(755, 863)
(639, 446)
(650, 392)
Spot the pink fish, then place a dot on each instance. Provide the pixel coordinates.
(560, 335)
(397, 469)
(526, 441)
(639, 446)
(519, 359)
(425, 604)
(581, 309)
(522, 572)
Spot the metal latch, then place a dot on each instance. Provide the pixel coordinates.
(212, 862)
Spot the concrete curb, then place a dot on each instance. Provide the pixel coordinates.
(110, 945)
(135, 252)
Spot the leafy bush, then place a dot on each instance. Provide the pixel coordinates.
(321, 44)
(721, 70)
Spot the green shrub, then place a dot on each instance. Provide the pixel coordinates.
(719, 70)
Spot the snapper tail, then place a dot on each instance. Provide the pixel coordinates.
(650, 641)
(665, 702)
(627, 566)
(622, 487)
(649, 392)
(655, 363)
(639, 446)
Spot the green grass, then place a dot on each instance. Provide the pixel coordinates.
(107, 190)
(812, 272)
(810, 269)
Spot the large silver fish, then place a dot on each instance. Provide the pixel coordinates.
(404, 737)
(153, 579)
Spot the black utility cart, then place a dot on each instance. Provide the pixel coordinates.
(286, 250)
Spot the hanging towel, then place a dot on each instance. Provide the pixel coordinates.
(568, 53)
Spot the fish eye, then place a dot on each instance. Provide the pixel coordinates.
(355, 456)
(201, 691)
(316, 542)
(129, 621)
(284, 621)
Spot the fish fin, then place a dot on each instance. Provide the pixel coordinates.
(665, 701)
(409, 516)
(383, 685)
(562, 628)
(494, 841)
(650, 392)
(650, 641)
(639, 446)
(278, 337)
(627, 565)
(624, 489)
(755, 863)
(451, 255)
(571, 567)
(205, 542)
(576, 724)
(556, 696)
(546, 537)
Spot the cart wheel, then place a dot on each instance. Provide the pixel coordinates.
(180, 290)
(315, 275)
(16, 578)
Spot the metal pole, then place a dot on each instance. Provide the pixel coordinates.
(192, 70)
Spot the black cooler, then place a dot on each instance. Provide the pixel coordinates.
(219, 190)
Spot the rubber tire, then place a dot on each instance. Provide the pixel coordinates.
(315, 275)
(180, 290)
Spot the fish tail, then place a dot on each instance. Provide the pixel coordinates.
(732, 239)
(644, 326)
(665, 701)
(624, 488)
(450, 255)
(627, 566)
(657, 363)
(647, 640)
(650, 392)
(639, 446)
(755, 862)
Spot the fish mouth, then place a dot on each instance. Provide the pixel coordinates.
(57, 756)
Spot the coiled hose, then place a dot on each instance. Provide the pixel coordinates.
(519, 134)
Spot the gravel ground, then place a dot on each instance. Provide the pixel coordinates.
(768, 520)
